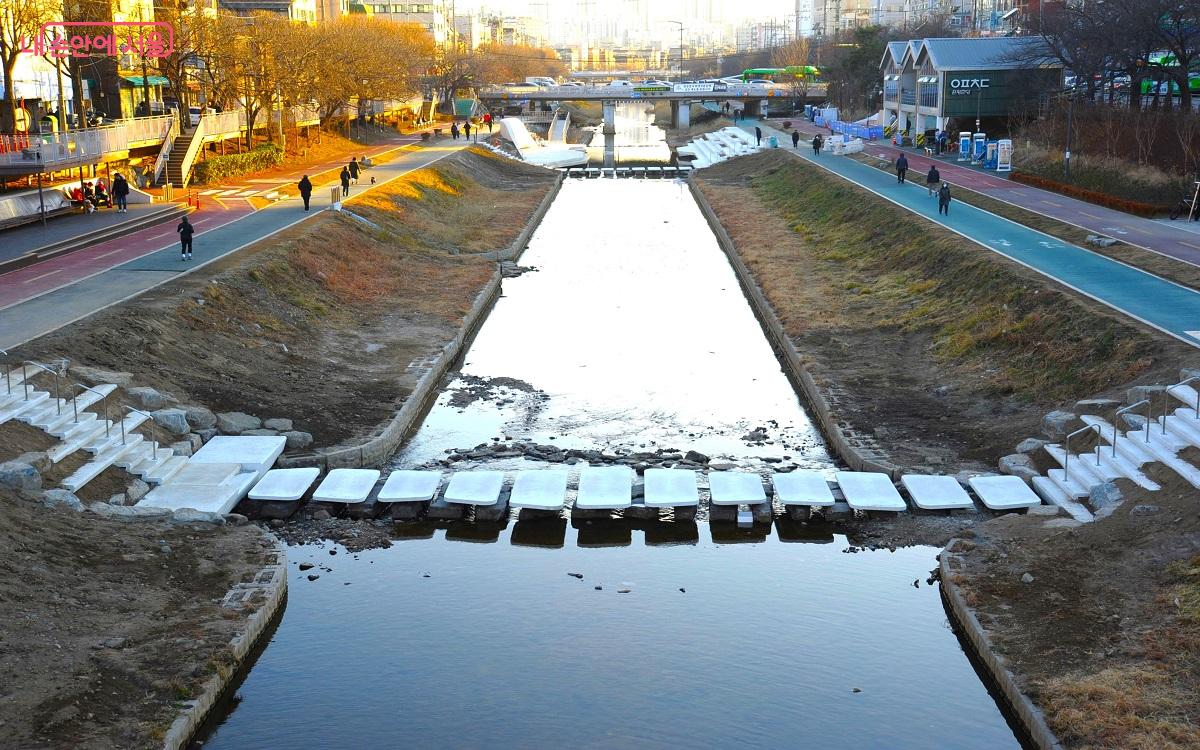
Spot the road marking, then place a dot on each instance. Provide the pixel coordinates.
(1094, 216)
(36, 278)
(245, 193)
(110, 252)
(227, 192)
(1189, 244)
(1114, 230)
(208, 192)
(1193, 334)
(1052, 203)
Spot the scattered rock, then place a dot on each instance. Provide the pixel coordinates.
(146, 398)
(206, 434)
(598, 588)
(1018, 465)
(1139, 392)
(682, 590)
(182, 448)
(118, 499)
(1030, 445)
(1143, 510)
(1104, 499)
(624, 591)
(1056, 424)
(321, 515)
(114, 642)
(136, 490)
(96, 375)
(1062, 523)
(236, 422)
(576, 575)
(173, 421)
(61, 499)
(37, 459)
(1100, 240)
(20, 478)
(297, 440)
(279, 424)
(306, 566)
(127, 512)
(261, 432)
(189, 515)
(1131, 421)
(1100, 406)
(313, 576)
(236, 519)
(856, 690)
(695, 457)
(200, 418)
(1026, 578)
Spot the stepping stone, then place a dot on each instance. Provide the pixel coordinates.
(1004, 492)
(346, 486)
(605, 488)
(736, 488)
(802, 488)
(930, 492)
(475, 487)
(544, 489)
(410, 486)
(256, 453)
(670, 488)
(870, 491)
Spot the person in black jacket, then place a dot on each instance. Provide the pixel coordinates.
(817, 142)
(944, 199)
(305, 186)
(901, 168)
(353, 167)
(120, 192)
(757, 136)
(795, 139)
(345, 182)
(185, 230)
(932, 179)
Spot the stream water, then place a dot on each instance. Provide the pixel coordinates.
(632, 333)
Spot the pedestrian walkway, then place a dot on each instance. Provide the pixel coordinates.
(1170, 307)
(73, 290)
(1172, 239)
(18, 241)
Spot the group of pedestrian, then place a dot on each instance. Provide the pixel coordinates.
(934, 185)
(465, 131)
(93, 196)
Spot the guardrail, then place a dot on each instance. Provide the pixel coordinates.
(219, 124)
(164, 153)
(866, 132)
(689, 91)
(49, 151)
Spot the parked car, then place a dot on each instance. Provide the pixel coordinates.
(194, 115)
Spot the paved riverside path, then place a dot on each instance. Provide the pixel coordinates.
(158, 261)
(1168, 306)
(1174, 239)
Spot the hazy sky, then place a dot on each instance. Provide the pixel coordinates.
(735, 9)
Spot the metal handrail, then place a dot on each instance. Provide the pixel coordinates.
(164, 153)
(52, 371)
(1117, 417)
(1167, 394)
(7, 372)
(1067, 446)
(103, 402)
(153, 442)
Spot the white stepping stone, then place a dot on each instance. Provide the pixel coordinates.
(410, 486)
(930, 492)
(254, 453)
(605, 488)
(543, 489)
(870, 491)
(205, 475)
(284, 485)
(671, 488)
(802, 488)
(1004, 492)
(347, 486)
(736, 488)
(475, 487)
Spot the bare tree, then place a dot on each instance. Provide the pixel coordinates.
(20, 25)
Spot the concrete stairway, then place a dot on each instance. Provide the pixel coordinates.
(174, 173)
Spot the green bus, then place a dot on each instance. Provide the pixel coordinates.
(781, 75)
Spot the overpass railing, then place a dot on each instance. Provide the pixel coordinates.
(51, 151)
(164, 153)
(866, 132)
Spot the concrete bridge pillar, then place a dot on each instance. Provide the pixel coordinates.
(752, 109)
(610, 118)
(681, 114)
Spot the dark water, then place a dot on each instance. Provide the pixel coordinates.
(499, 647)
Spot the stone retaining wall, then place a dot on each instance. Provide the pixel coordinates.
(266, 592)
(856, 457)
(1030, 716)
(380, 447)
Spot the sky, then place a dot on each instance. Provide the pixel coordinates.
(735, 10)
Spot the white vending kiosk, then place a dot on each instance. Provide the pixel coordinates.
(1004, 155)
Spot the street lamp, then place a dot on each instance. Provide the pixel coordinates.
(680, 25)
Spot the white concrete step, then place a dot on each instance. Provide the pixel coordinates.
(15, 380)
(1181, 427)
(1081, 468)
(85, 418)
(1184, 393)
(86, 433)
(1054, 495)
(1169, 459)
(148, 463)
(131, 422)
(1120, 466)
(102, 461)
(164, 471)
(1069, 486)
(1132, 445)
(141, 452)
(52, 408)
(36, 400)
(77, 406)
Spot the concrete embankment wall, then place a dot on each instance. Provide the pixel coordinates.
(857, 458)
(380, 447)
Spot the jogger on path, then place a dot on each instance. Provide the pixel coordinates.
(185, 230)
(305, 186)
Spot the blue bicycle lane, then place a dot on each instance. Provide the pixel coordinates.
(1153, 300)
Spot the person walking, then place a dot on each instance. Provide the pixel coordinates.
(757, 136)
(901, 168)
(185, 231)
(353, 167)
(944, 199)
(120, 192)
(795, 139)
(467, 130)
(817, 143)
(305, 186)
(454, 130)
(932, 179)
(345, 182)
(487, 120)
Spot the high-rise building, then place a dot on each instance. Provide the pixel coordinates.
(433, 15)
